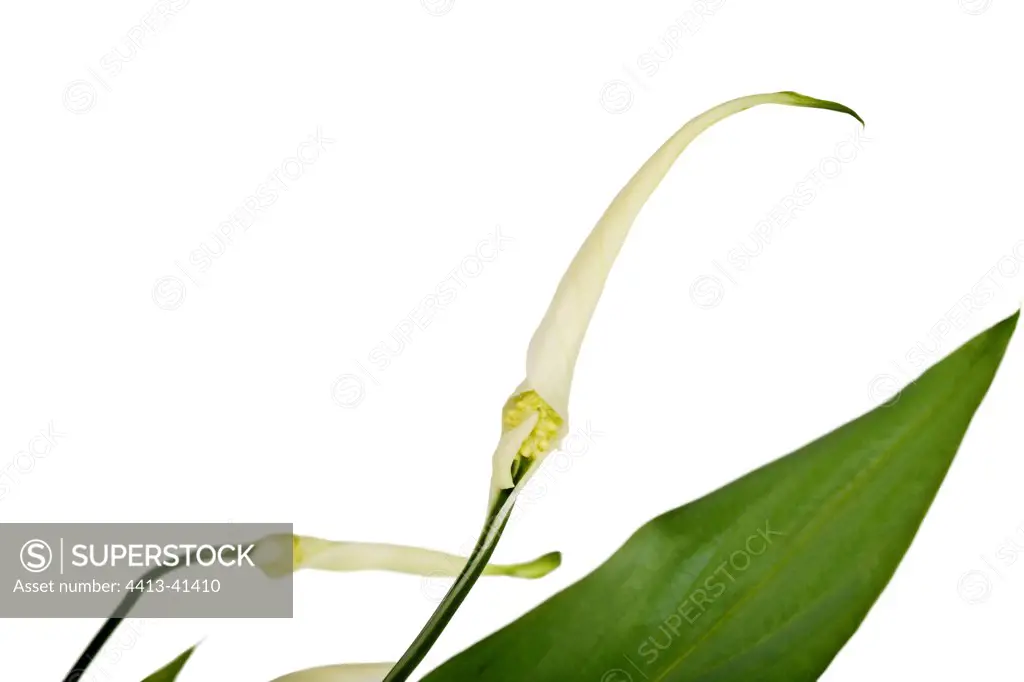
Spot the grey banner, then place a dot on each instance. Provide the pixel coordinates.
(159, 570)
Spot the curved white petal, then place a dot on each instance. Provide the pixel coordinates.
(280, 555)
(555, 346)
(508, 448)
(354, 672)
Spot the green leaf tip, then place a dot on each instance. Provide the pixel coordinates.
(998, 336)
(170, 672)
(1008, 325)
(795, 99)
(980, 355)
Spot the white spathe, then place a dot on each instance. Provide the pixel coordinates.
(282, 554)
(555, 346)
(355, 672)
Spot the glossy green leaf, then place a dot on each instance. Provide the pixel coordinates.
(766, 579)
(170, 672)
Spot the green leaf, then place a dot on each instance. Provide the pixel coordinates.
(766, 579)
(170, 672)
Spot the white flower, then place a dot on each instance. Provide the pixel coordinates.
(535, 418)
(281, 555)
(355, 672)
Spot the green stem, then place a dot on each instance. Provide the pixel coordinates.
(106, 631)
(474, 567)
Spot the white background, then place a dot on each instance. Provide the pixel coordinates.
(216, 399)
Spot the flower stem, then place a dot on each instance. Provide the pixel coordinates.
(106, 631)
(493, 528)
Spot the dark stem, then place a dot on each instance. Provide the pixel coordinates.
(485, 546)
(106, 631)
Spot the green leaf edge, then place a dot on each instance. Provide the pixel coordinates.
(170, 672)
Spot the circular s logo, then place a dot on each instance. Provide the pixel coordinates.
(36, 556)
(168, 293)
(616, 97)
